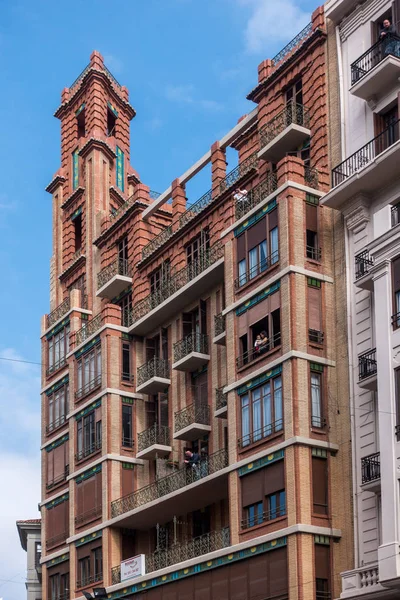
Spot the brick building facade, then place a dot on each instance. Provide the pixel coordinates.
(152, 348)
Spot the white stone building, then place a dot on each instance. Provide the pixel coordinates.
(366, 189)
(30, 537)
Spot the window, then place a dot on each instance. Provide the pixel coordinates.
(157, 410)
(263, 495)
(262, 412)
(58, 586)
(57, 525)
(57, 465)
(75, 169)
(122, 248)
(88, 372)
(126, 307)
(81, 124)
(83, 572)
(58, 348)
(88, 435)
(396, 292)
(127, 429)
(313, 252)
(387, 125)
(90, 564)
(120, 168)
(257, 248)
(322, 571)
(159, 280)
(320, 484)
(111, 121)
(77, 232)
(97, 564)
(38, 553)
(315, 334)
(88, 500)
(58, 403)
(397, 392)
(317, 418)
(295, 93)
(126, 374)
(196, 252)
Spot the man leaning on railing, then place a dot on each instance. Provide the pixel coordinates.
(390, 45)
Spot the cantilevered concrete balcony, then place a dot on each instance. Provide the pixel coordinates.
(367, 370)
(191, 353)
(192, 422)
(221, 403)
(219, 329)
(371, 472)
(178, 290)
(376, 72)
(154, 441)
(114, 279)
(153, 376)
(363, 267)
(284, 133)
(369, 169)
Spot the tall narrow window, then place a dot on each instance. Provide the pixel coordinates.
(127, 432)
(111, 121)
(58, 348)
(317, 419)
(88, 435)
(312, 248)
(397, 392)
(78, 232)
(81, 124)
(123, 256)
(320, 484)
(88, 372)
(119, 165)
(75, 169)
(315, 333)
(396, 292)
(262, 412)
(126, 362)
(322, 571)
(97, 564)
(83, 572)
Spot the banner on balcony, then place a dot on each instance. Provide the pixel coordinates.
(133, 567)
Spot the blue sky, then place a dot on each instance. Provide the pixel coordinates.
(188, 65)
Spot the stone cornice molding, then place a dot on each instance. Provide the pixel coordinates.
(97, 144)
(76, 194)
(55, 183)
(356, 214)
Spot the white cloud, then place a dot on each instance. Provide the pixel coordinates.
(185, 94)
(271, 21)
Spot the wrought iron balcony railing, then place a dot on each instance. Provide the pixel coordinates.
(363, 264)
(367, 365)
(58, 312)
(157, 241)
(257, 269)
(219, 324)
(313, 253)
(267, 515)
(246, 358)
(292, 114)
(91, 385)
(89, 515)
(87, 450)
(318, 422)
(56, 366)
(195, 208)
(259, 434)
(366, 154)
(177, 553)
(88, 329)
(371, 468)
(176, 281)
(81, 583)
(59, 479)
(256, 195)
(311, 177)
(315, 336)
(127, 442)
(194, 342)
(396, 321)
(389, 45)
(395, 214)
(114, 215)
(116, 575)
(238, 172)
(287, 51)
(194, 413)
(156, 434)
(221, 398)
(56, 423)
(154, 195)
(56, 540)
(177, 480)
(119, 266)
(156, 367)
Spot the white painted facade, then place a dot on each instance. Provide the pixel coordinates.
(365, 197)
(30, 537)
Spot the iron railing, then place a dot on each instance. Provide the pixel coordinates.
(267, 515)
(58, 312)
(61, 420)
(56, 366)
(154, 195)
(292, 45)
(194, 413)
(176, 281)
(315, 336)
(323, 595)
(253, 353)
(88, 450)
(292, 114)
(116, 575)
(88, 580)
(318, 422)
(257, 269)
(363, 264)
(88, 329)
(113, 216)
(238, 172)
(195, 208)
(259, 434)
(389, 45)
(56, 540)
(64, 596)
(157, 241)
(367, 365)
(194, 342)
(156, 367)
(88, 387)
(219, 324)
(127, 442)
(362, 157)
(311, 177)
(396, 321)
(370, 468)
(177, 553)
(313, 253)
(88, 515)
(221, 398)
(120, 266)
(395, 215)
(156, 434)
(59, 479)
(256, 195)
(178, 479)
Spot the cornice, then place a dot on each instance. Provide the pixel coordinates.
(76, 194)
(356, 214)
(103, 237)
(54, 183)
(77, 263)
(97, 144)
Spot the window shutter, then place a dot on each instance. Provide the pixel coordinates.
(322, 561)
(241, 323)
(241, 247)
(320, 485)
(278, 572)
(127, 481)
(314, 308)
(311, 217)
(274, 478)
(275, 301)
(79, 498)
(50, 467)
(258, 312)
(273, 219)
(257, 234)
(396, 274)
(59, 462)
(252, 488)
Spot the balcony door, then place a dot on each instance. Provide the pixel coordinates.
(157, 347)
(157, 411)
(200, 389)
(196, 320)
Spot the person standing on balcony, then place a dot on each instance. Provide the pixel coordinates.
(240, 195)
(192, 459)
(389, 45)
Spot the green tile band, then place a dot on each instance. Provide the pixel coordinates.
(261, 462)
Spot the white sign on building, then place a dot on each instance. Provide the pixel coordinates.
(133, 567)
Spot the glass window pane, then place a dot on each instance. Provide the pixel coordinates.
(245, 420)
(253, 262)
(263, 256)
(278, 403)
(267, 409)
(242, 272)
(273, 241)
(316, 399)
(257, 430)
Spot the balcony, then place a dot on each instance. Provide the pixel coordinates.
(264, 517)
(251, 355)
(377, 70)
(362, 582)
(191, 353)
(179, 290)
(58, 313)
(88, 329)
(58, 480)
(316, 337)
(371, 471)
(154, 441)
(221, 403)
(187, 500)
(368, 170)
(88, 450)
(232, 178)
(258, 269)
(89, 580)
(260, 434)
(114, 279)
(363, 266)
(192, 422)
(88, 516)
(256, 195)
(153, 376)
(88, 388)
(284, 133)
(367, 370)
(219, 329)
